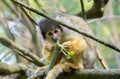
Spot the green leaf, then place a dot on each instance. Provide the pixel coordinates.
(70, 54)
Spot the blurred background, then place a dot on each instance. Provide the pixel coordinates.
(17, 26)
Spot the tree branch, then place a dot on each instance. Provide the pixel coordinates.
(6, 69)
(97, 9)
(84, 74)
(69, 27)
(11, 44)
(92, 74)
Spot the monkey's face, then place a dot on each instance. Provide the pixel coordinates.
(53, 35)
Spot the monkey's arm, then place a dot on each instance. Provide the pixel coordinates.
(76, 44)
(48, 51)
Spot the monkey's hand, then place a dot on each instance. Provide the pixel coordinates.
(67, 45)
(48, 46)
(76, 44)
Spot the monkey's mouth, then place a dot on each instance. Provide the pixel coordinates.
(56, 39)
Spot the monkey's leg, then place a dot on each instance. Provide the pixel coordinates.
(53, 73)
(61, 67)
(77, 61)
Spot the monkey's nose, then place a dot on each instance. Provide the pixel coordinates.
(55, 39)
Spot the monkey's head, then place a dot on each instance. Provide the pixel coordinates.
(51, 31)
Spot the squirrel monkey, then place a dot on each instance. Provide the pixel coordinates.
(83, 47)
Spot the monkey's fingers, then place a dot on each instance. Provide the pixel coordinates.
(67, 44)
(67, 67)
(48, 46)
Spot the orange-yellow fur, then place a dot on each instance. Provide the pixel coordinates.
(49, 52)
(77, 44)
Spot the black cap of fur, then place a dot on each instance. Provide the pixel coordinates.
(46, 25)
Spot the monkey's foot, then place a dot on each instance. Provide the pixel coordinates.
(80, 67)
(68, 66)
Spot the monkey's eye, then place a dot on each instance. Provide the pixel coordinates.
(56, 31)
(50, 33)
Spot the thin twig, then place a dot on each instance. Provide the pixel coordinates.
(38, 4)
(105, 17)
(83, 9)
(102, 61)
(99, 55)
(54, 56)
(28, 16)
(8, 5)
(6, 27)
(4, 56)
(27, 58)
